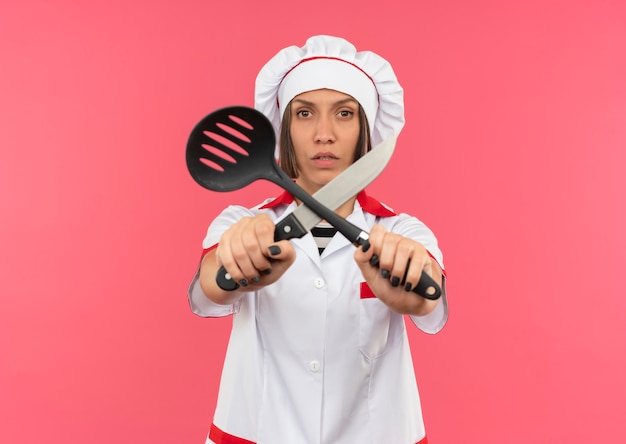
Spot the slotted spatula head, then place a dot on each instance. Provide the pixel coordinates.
(231, 148)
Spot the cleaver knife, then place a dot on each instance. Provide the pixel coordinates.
(335, 193)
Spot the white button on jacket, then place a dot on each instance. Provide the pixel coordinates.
(314, 366)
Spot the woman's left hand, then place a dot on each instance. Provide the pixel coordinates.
(400, 264)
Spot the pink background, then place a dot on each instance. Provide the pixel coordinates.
(513, 154)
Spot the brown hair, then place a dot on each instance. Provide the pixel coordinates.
(287, 159)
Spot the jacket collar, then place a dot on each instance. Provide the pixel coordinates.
(367, 203)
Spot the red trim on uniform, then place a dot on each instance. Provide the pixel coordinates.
(368, 204)
(220, 437)
(366, 291)
(283, 198)
(435, 259)
(206, 250)
(373, 206)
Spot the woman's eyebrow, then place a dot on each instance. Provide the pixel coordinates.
(304, 102)
(346, 101)
(337, 103)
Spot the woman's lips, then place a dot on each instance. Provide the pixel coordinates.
(325, 156)
(325, 159)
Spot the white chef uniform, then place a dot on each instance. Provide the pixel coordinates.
(315, 358)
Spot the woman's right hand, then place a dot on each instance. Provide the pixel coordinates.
(249, 254)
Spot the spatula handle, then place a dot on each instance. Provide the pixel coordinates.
(427, 287)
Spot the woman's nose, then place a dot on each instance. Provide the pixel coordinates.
(324, 131)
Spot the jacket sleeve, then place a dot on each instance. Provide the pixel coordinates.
(198, 302)
(412, 227)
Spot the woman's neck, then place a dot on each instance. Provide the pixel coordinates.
(344, 210)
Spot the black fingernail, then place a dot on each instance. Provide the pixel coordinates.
(256, 279)
(385, 274)
(366, 246)
(266, 272)
(395, 281)
(274, 250)
(243, 282)
(374, 260)
(407, 287)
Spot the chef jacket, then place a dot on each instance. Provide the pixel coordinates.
(316, 357)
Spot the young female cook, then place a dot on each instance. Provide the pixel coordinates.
(318, 350)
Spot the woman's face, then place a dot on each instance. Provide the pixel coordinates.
(324, 131)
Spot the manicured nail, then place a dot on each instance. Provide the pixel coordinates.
(243, 282)
(255, 279)
(366, 246)
(407, 287)
(385, 274)
(267, 271)
(395, 281)
(374, 260)
(274, 250)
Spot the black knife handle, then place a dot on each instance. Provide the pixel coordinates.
(288, 228)
(225, 281)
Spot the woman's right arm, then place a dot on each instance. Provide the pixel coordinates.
(245, 250)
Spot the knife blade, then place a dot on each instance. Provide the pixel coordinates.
(335, 193)
(338, 191)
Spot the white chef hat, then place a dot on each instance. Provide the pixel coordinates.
(333, 63)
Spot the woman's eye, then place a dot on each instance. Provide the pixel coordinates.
(345, 113)
(303, 113)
